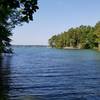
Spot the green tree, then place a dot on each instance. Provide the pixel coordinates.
(97, 34)
(52, 41)
(79, 37)
(86, 36)
(12, 13)
(15, 12)
(4, 39)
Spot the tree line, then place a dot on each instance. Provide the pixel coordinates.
(86, 37)
(12, 13)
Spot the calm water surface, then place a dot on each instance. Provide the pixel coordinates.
(40, 73)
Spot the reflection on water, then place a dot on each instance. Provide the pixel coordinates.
(4, 77)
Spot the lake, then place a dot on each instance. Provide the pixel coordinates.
(41, 73)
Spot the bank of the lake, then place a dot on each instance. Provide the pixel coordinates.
(82, 37)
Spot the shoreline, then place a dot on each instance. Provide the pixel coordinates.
(71, 48)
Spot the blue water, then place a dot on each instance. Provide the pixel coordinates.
(50, 74)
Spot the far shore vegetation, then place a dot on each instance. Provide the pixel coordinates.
(82, 37)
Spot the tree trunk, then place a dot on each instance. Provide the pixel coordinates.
(99, 46)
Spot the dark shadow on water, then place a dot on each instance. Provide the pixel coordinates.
(5, 76)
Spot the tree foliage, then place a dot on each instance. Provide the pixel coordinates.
(15, 12)
(12, 13)
(80, 37)
(4, 39)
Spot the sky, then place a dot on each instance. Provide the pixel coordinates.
(54, 17)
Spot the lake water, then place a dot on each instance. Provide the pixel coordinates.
(40, 73)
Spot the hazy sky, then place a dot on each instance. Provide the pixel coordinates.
(56, 16)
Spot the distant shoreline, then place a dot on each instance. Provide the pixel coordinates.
(47, 46)
(29, 45)
(71, 48)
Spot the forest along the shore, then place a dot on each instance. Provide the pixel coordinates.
(82, 37)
